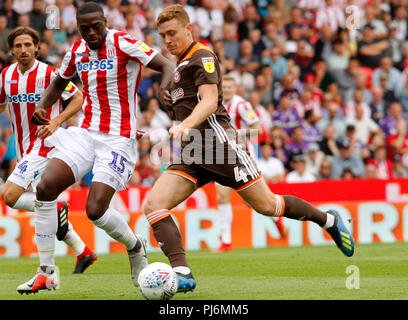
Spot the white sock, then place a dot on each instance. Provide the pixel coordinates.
(115, 226)
(182, 270)
(225, 211)
(25, 202)
(74, 241)
(45, 223)
(329, 221)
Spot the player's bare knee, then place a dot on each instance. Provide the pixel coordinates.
(95, 210)
(45, 193)
(266, 207)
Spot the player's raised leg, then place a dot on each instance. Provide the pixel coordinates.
(168, 191)
(261, 198)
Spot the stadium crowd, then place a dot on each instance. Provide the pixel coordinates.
(327, 78)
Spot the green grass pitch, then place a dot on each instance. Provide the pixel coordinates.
(275, 273)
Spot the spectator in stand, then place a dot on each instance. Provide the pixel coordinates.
(264, 89)
(371, 49)
(333, 117)
(226, 64)
(378, 107)
(243, 78)
(365, 126)
(150, 27)
(324, 78)
(248, 57)
(396, 47)
(24, 20)
(347, 160)
(115, 17)
(328, 144)
(380, 29)
(360, 84)
(160, 118)
(389, 123)
(38, 16)
(132, 28)
(358, 148)
(381, 163)
(281, 7)
(398, 168)
(323, 46)
(398, 143)
(278, 136)
(325, 170)
(272, 168)
(287, 89)
(314, 158)
(400, 20)
(286, 116)
(338, 58)
(345, 79)
(196, 33)
(303, 57)
(143, 169)
(307, 103)
(68, 14)
(4, 32)
(350, 106)
(310, 129)
(8, 11)
(277, 62)
(394, 76)
(191, 11)
(252, 20)
(54, 50)
(210, 18)
(300, 174)
(296, 20)
(297, 144)
(330, 14)
(231, 44)
(255, 36)
(272, 37)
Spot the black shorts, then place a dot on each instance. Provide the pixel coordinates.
(236, 169)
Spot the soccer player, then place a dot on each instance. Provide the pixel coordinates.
(245, 120)
(197, 102)
(109, 64)
(21, 86)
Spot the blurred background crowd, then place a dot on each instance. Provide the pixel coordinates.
(327, 78)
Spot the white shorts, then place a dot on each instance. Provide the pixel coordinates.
(111, 158)
(28, 171)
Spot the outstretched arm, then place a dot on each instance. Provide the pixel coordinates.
(49, 97)
(163, 65)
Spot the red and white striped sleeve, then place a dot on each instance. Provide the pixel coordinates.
(68, 68)
(134, 49)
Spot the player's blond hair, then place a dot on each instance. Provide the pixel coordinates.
(174, 11)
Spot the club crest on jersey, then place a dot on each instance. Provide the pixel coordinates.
(110, 52)
(40, 83)
(176, 76)
(208, 64)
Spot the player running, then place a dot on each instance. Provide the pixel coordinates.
(109, 64)
(197, 102)
(21, 86)
(245, 120)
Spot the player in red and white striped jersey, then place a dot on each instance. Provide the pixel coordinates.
(109, 64)
(21, 86)
(246, 122)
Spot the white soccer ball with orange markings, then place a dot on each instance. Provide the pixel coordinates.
(158, 281)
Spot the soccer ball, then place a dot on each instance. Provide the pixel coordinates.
(158, 281)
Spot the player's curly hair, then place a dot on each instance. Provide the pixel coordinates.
(20, 31)
(175, 11)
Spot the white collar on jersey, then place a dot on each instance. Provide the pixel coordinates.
(36, 62)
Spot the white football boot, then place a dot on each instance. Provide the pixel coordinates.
(46, 278)
(137, 259)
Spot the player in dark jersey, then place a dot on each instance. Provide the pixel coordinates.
(210, 151)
